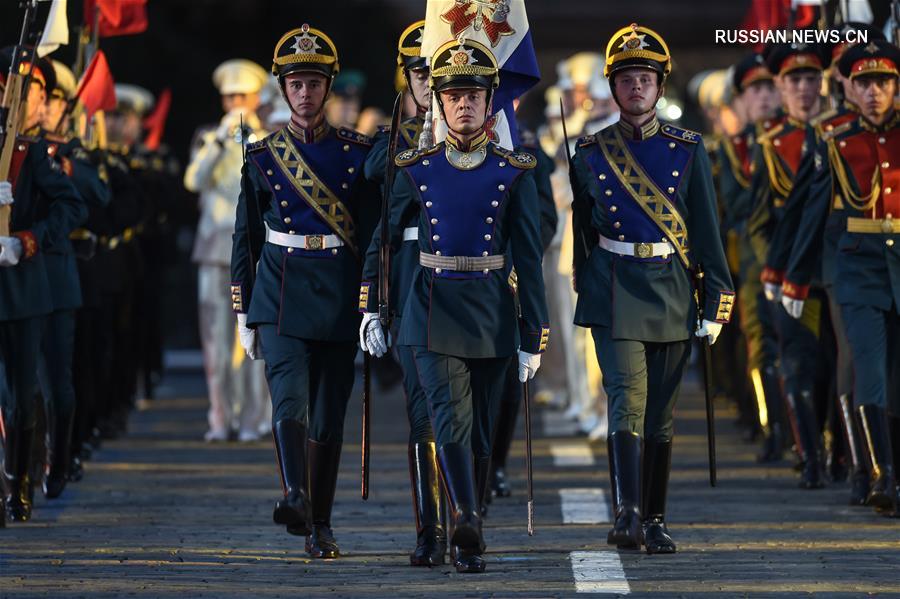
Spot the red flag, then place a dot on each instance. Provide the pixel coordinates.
(155, 122)
(96, 90)
(117, 17)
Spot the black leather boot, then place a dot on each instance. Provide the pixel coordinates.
(431, 538)
(812, 476)
(293, 510)
(883, 488)
(503, 438)
(17, 448)
(768, 393)
(482, 491)
(324, 461)
(459, 478)
(859, 475)
(625, 469)
(57, 474)
(894, 424)
(657, 464)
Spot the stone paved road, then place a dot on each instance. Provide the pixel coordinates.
(161, 514)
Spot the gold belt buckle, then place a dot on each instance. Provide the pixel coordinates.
(887, 226)
(643, 250)
(315, 242)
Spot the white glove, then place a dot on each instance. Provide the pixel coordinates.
(248, 338)
(528, 365)
(709, 329)
(6, 196)
(10, 251)
(772, 291)
(371, 335)
(227, 125)
(792, 306)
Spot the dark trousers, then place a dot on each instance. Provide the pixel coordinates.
(420, 430)
(55, 365)
(873, 335)
(802, 351)
(20, 342)
(309, 381)
(462, 395)
(641, 380)
(844, 370)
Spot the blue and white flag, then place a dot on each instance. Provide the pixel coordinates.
(502, 26)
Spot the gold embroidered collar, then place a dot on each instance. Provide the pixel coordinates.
(648, 129)
(889, 123)
(466, 156)
(309, 136)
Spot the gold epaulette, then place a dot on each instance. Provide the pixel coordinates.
(515, 158)
(411, 156)
(678, 133)
(257, 145)
(354, 136)
(766, 136)
(821, 118)
(587, 140)
(826, 135)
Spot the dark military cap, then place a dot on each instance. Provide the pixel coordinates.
(305, 50)
(749, 70)
(43, 72)
(878, 57)
(409, 48)
(872, 33)
(464, 64)
(636, 46)
(786, 58)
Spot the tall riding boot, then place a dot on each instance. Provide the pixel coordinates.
(57, 473)
(431, 538)
(894, 424)
(15, 473)
(625, 461)
(809, 438)
(290, 447)
(859, 478)
(459, 477)
(482, 491)
(657, 464)
(883, 489)
(767, 390)
(324, 461)
(503, 438)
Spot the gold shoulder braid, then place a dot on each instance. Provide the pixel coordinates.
(856, 201)
(778, 177)
(312, 189)
(644, 191)
(735, 163)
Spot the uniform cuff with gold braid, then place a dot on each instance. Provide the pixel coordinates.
(722, 308)
(29, 243)
(770, 275)
(237, 298)
(794, 291)
(364, 297)
(535, 342)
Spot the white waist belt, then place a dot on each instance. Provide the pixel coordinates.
(303, 242)
(637, 250)
(411, 234)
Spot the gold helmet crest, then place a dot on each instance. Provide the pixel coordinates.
(637, 46)
(305, 49)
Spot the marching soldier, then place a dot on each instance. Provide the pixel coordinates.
(236, 391)
(758, 100)
(475, 206)
(45, 209)
(645, 216)
(858, 159)
(304, 217)
(431, 538)
(778, 180)
(58, 342)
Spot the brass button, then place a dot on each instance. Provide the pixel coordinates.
(345, 186)
(495, 203)
(621, 238)
(292, 232)
(487, 237)
(489, 220)
(437, 253)
(608, 192)
(351, 170)
(277, 187)
(423, 188)
(881, 140)
(269, 172)
(674, 173)
(671, 145)
(438, 270)
(501, 164)
(889, 243)
(613, 208)
(346, 147)
(428, 204)
(602, 177)
(888, 189)
(843, 144)
(617, 225)
(671, 190)
(21, 147)
(501, 187)
(434, 221)
(284, 204)
(885, 164)
(290, 250)
(777, 142)
(334, 252)
(287, 220)
(426, 162)
(436, 237)
(889, 215)
(485, 254)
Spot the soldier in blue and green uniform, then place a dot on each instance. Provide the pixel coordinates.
(45, 208)
(476, 210)
(645, 217)
(780, 177)
(858, 160)
(304, 219)
(431, 538)
(755, 92)
(58, 343)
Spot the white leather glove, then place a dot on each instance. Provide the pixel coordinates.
(528, 365)
(227, 126)
(709, 329)
(6, 196)
(248, 338)
(10, 251)
(371, 335)
(772, 291)
(792, 306)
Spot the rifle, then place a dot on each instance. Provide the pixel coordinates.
(700, 297)
(580, 251)
(384, 274)
(15, 96)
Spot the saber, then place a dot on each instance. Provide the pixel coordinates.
(700, 297)
(528, 462)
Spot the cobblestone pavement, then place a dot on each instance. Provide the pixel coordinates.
(160, 513)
